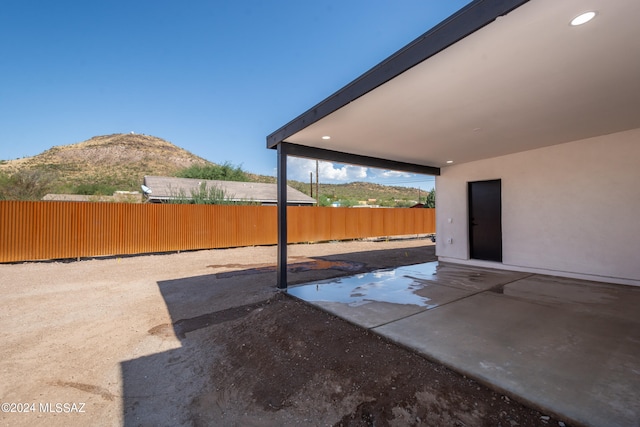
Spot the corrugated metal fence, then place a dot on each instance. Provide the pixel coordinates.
(55, 230)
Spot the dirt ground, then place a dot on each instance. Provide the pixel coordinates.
(203, 338)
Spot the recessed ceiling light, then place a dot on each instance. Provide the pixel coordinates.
(326, 137)
(449, 162)
(583, 18)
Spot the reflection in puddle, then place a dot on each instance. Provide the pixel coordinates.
(388, 286)
(425, 269)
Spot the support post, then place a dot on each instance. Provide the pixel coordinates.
(282, 217)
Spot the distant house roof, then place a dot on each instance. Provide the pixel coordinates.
(118, 196)
(165, 188)
(74, 198)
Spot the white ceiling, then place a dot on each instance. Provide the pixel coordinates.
(526, 80)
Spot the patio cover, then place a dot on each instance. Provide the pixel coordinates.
(496, 78)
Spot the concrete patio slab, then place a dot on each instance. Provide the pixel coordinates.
(455, 276)
(376, 298)
(565, 346)
(597, 298)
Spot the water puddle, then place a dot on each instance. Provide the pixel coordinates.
(390, 286)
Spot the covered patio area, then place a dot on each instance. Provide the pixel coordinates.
(568, 347)
(527, 115)
(528, 119)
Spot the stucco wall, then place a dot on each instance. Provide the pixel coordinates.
(571, 209)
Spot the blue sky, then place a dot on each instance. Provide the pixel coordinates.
(213, 77)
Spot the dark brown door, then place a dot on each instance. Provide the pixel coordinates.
(485, 220)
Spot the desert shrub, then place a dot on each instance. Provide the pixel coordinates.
(26, 184)
(94, 189)
(204, 195)
(224, 172)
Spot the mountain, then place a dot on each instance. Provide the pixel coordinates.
(104, 164)
(354, 193)
(108, 163)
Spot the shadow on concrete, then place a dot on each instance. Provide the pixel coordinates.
(568, 347)
(160, 385)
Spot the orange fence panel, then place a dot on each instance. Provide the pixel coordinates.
(55, 230)
(312, 224)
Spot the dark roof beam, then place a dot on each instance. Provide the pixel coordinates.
(355, 159)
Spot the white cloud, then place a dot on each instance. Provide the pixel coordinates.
(299, 168)
(334, 173)
(380, 173)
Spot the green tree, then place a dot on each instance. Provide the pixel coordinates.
(224, 172)
(431, 199)
(324, 201)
